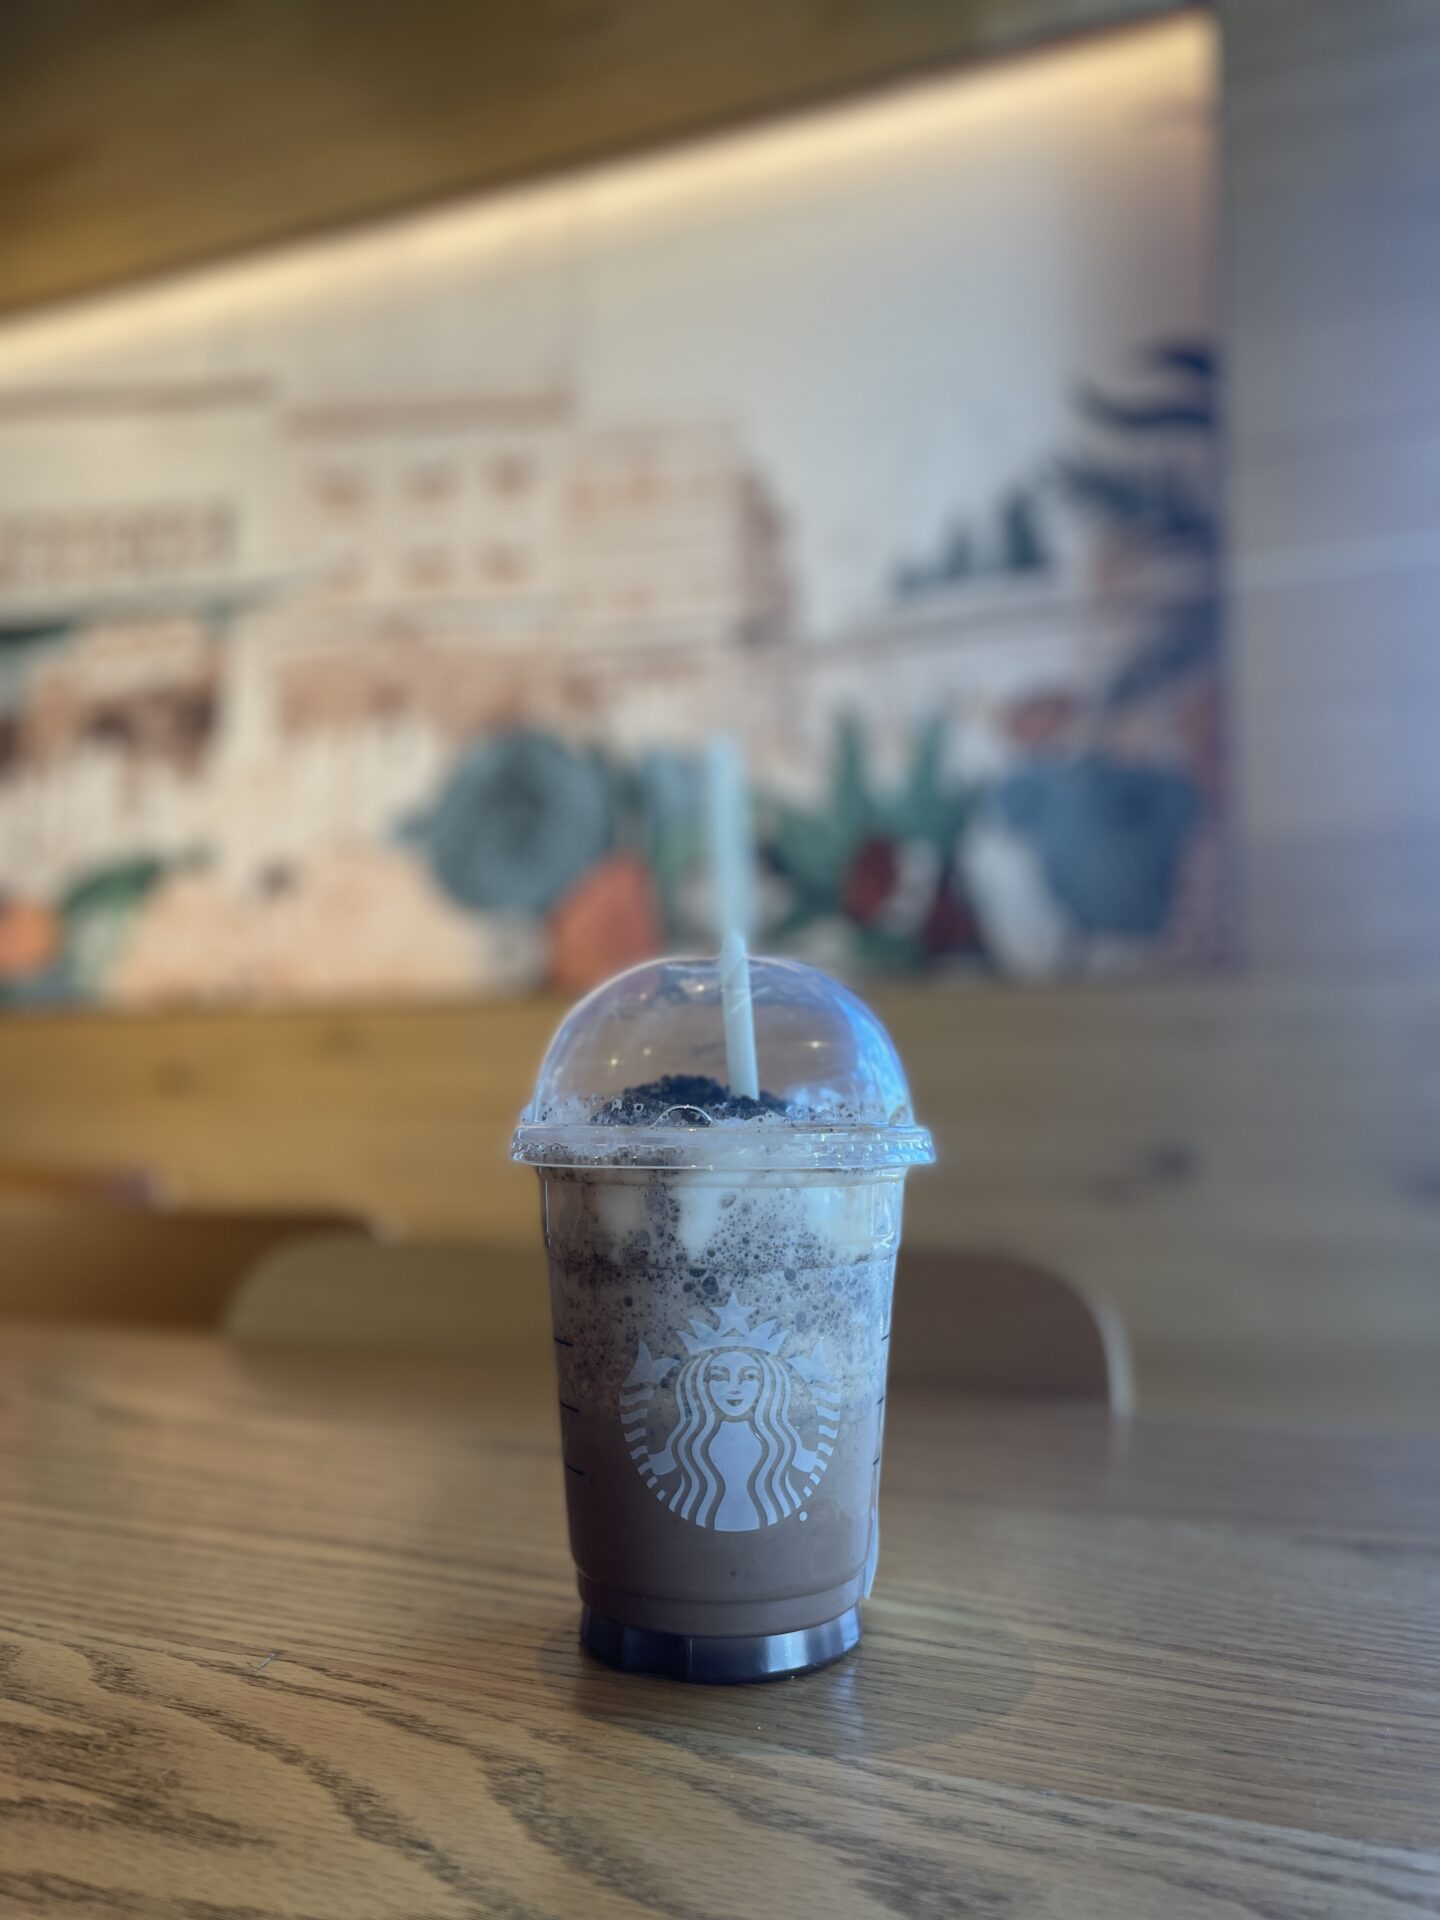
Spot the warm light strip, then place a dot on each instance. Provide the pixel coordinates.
(552, 213)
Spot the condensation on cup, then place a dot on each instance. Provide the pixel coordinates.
(721, 1271)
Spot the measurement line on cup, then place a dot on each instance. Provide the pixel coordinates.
(569, 1406)
(580, 1471)
(563, 1343)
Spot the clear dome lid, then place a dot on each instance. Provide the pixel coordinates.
(636, 1077)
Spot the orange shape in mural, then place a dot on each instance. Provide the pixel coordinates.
(607, 921)
(29, 939)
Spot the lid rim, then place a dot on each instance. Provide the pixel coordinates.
(781, 1148)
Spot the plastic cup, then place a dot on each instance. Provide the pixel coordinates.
(721, 1274)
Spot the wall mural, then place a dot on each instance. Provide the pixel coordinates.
(365, 610)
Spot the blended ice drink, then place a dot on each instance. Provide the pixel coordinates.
(721, 1269)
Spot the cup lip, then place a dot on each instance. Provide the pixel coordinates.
(736, 1147)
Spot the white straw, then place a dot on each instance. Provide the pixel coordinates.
(732, 863)
(732, 871)
(741, 1067)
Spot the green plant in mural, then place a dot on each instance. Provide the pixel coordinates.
(1190, 404)
(97, 913)
(1157, 500)
(882, 862)
(1016, 546)
(89, 923)
(662, 814)
(518, 821)
(1156, 504)
(525, 815)
(1110, 834)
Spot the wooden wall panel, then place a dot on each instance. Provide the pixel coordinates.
(138, 135)
(1332, 271)
(1252, 1171)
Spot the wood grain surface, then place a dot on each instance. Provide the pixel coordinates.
(295, 1637)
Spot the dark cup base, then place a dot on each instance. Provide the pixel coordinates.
(714, 1659)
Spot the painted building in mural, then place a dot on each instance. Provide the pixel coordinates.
(442, 570)
(483, 561)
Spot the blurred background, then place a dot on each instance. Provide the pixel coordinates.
(425, 433)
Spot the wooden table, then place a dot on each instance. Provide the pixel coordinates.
(297, 1637)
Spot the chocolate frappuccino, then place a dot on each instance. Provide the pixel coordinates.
(721, 1272)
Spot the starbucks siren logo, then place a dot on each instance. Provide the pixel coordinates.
(734, 1458)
